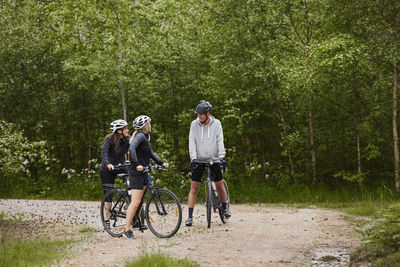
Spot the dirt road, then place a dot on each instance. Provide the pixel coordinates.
(256, 235)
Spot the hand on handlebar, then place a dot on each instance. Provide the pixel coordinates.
(224, 163)
(139, 168)
(165, 165)
(194, 163)
(110, 167)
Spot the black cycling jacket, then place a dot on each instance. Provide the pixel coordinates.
(141, 151)
(108, 154)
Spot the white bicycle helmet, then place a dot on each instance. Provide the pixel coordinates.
(141, 121)
(117, 125)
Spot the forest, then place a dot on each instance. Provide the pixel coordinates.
(306, 91)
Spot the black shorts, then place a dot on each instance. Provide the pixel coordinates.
(197, 172)
(137, 180)
(108, 177)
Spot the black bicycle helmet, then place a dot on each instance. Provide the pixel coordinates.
(203, 107)
(118, 125)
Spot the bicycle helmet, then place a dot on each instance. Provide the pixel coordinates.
(141, 121)
(203, 107)
(117, 125)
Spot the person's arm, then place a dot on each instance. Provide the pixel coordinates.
(105, 148)
(192, 142)
(220, 142)
(132, 148)
(154, 157)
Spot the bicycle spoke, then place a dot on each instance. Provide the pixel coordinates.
(163, 213)
(117, 212)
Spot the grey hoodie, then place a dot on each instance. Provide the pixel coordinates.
(206, 142)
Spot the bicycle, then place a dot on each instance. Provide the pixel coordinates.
(212, 199)
(163, 212)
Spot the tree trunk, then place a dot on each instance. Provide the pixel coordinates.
(304, 42)
(358, 122)
(285, 135)
(311, 129)
(63, 117)
(395, 134)
(121, 84)
(89, 134)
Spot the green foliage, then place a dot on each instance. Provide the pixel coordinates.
(18, 156)
(161, 260)
(267, 67)
(21, 161)
(381, 239)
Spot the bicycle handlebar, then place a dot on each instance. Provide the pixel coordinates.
(150, 167)
(224, 167)
(147, 169)
(122, 165)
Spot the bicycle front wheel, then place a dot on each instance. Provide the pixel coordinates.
(113, 210)
(209, 203)
(163, 213)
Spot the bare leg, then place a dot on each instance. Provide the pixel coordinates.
(107, 213)
(135, 201)
(221, 191)
(194, 188)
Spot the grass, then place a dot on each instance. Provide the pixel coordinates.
(160, 260)
(31, 252)
(21, 248)
(88, 229)
(380, 233)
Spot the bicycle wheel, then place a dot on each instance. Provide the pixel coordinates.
(221, 215)
(209, 203)
(163, 213)
(119, 205)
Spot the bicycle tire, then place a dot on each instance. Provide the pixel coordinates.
(119, 204)
(163, 213)
(209, 203)
(221, 215)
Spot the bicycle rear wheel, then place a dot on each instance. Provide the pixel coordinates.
(163, 213)
(118, 206)
(221, 214)
(209, 203)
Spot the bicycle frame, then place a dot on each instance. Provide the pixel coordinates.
(150, 187)
(158, 208)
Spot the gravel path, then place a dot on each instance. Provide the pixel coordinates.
(256, 235)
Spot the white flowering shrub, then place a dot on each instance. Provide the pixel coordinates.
(21, 161)
(18, 155)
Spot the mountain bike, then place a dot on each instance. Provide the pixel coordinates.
(162, 213)
(212, 199)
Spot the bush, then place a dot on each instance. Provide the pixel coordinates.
(21, 161)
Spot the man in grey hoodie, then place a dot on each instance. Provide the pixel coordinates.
(206, 144)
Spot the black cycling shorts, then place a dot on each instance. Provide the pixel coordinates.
(137, 180)
(108, 177)
(197, 172)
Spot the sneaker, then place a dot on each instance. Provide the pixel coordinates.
(189, 222)
(226, 213)
(128, 234)
(107, 224)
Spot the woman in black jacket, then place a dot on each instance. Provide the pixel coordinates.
(141, 153)
(113, 151)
